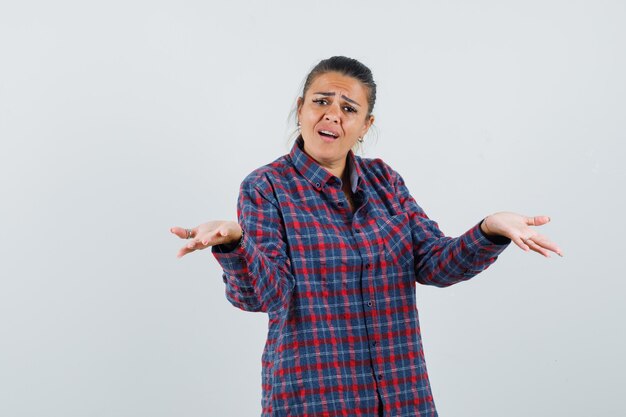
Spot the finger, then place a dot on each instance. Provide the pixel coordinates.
(182, 232)
(544, 242)
(204, 239)
(519, 242)
(196, 244)
(192, 246)
(537, 220)
(535, 247)
(208, 239)
(184, 251)
(221, 235)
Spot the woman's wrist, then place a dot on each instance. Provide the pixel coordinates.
(240, 241)
(495, 238)
(234, 244)
(485, 228)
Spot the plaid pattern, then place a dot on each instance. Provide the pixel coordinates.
(339, 287)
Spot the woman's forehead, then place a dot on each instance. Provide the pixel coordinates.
(334, 82)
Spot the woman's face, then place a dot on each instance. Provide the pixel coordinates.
(333, 115)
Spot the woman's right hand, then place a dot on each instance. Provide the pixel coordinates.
(217, 232)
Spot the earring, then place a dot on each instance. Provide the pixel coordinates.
(361, 139)
(299, 125)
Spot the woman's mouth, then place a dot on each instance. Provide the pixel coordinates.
(328, 135)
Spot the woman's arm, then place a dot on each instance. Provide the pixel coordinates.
(443, 261)
(257, 270)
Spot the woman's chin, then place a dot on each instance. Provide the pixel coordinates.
(327, 139)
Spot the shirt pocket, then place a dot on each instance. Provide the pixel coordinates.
(397, 242)
(321, 259)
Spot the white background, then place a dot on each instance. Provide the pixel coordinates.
(119, 119)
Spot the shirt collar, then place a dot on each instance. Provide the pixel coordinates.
(315, 173)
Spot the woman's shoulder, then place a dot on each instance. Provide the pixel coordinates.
(378, 169)
(265, 177)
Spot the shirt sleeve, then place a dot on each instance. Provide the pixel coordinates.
(441, 260)
(257, 273)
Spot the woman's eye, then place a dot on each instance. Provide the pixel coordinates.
(349, 109)
(320, 101)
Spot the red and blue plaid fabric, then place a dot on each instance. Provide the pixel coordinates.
(339, 287)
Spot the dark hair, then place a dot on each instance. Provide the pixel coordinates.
(348, 67)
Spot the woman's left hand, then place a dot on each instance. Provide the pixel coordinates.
(520, 230)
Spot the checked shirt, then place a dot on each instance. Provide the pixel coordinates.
(339, 286)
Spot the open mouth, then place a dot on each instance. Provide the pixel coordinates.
(328, 134)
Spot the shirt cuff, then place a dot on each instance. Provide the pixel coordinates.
(234, 258)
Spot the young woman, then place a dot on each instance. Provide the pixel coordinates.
(331, 246)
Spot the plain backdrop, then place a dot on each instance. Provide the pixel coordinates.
(120, 119)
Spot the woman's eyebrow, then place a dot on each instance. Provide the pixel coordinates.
(333, 94)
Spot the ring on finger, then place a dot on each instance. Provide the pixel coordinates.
(188, 233)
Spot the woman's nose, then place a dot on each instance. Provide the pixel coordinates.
(332, 114)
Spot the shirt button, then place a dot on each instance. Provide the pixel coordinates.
(380, 377)
(368, 266)
(357, 230)
(369, 303)
(374, 343)
(317, 184)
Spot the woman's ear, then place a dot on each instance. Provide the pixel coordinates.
(366, 126)
(300, 102)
